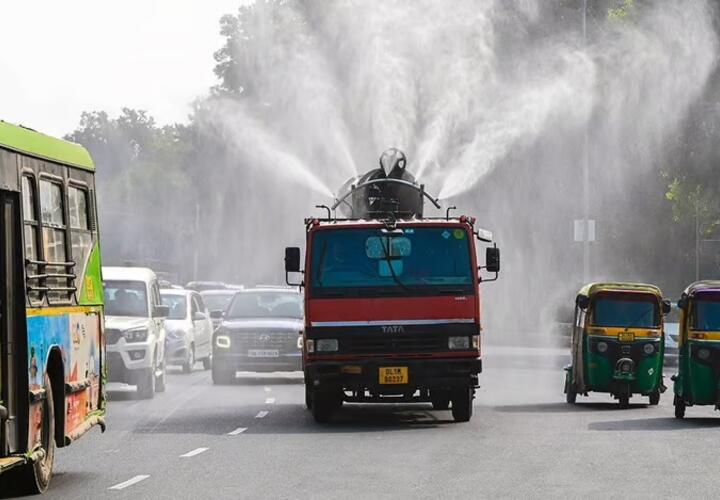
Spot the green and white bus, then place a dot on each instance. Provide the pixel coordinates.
(52, 366)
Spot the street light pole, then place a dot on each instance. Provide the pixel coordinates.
(586, 174)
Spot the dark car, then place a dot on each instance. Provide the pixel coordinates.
(260, 331)
(672, 332)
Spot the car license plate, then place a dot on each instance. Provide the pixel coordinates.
(626, 337)
(263, 353)
(394, 375)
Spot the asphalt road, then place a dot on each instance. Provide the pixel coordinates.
(256, 440)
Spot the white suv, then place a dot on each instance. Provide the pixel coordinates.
(135, 329)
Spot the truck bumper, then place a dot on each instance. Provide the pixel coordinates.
(360, 375)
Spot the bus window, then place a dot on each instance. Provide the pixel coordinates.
(30, 225)
(80, 235)
(53, 232)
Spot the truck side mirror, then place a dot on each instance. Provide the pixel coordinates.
(217, 314)
(292, 264)
(292, 260)
(492, 260)
(666, 307)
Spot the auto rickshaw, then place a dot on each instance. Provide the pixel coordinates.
(698, 379)
(617, 342)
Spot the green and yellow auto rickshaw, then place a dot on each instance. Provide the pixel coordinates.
(617, 342)
(698, 379)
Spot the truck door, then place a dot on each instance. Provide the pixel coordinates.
(13, 342)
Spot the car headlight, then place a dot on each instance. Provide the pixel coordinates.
(703, 354)
(458, 342)
(139, 335)
(222, 341)
(602, 346)
(326, 345)
(310, 345)
(476, 341)
(649, 348)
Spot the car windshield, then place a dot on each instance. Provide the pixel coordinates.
(640, 311)
(707, 315)
(177, 304)
(217, 301)
(126, 298)
(266, 305)
(413, 261)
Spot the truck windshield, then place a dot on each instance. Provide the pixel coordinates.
(126, 298)
(374, 262)
(266, 305)
(707, 315)
(634, 312)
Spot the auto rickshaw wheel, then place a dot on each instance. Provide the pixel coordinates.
(570, 393)
(654, 397)
(679, 408)
(624, 401)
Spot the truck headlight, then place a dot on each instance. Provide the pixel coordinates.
(310, 345)
(139, 335)
(222, 341)
(326, 345)
(458, 342)
(476, 341)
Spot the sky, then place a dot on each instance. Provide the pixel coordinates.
(59, 59)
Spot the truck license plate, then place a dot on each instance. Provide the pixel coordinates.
(394, 375)
(263, 353)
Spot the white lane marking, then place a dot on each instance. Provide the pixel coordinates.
(267, 389)
(129, 482)
(196, 451)
(270, 401)
(237, 431)
(262, 414)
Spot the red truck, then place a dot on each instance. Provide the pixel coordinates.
(392, 299)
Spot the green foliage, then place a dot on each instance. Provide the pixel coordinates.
(623, 11)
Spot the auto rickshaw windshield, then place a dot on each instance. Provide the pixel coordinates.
(640, 311)
(706, 313)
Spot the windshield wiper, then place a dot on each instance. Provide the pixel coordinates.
(386, 251)
(632, 323)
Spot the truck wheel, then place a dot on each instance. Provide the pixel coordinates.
(462, 407)
(440, 399)
(322, 406)
(38, 474)
(189, 363)
(308, 397)
(679, 408)
(222, 375)
(207, 363)
(654, 397)
(161, 380)
(146, 384)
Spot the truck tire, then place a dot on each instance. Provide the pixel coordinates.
(146, 384)
(222, 375)
(37, 474)
(440, 399)
(189, 363)
(322, 405)
(462, 404)
(308, 397)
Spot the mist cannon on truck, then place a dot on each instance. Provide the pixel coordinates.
(392, 297)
